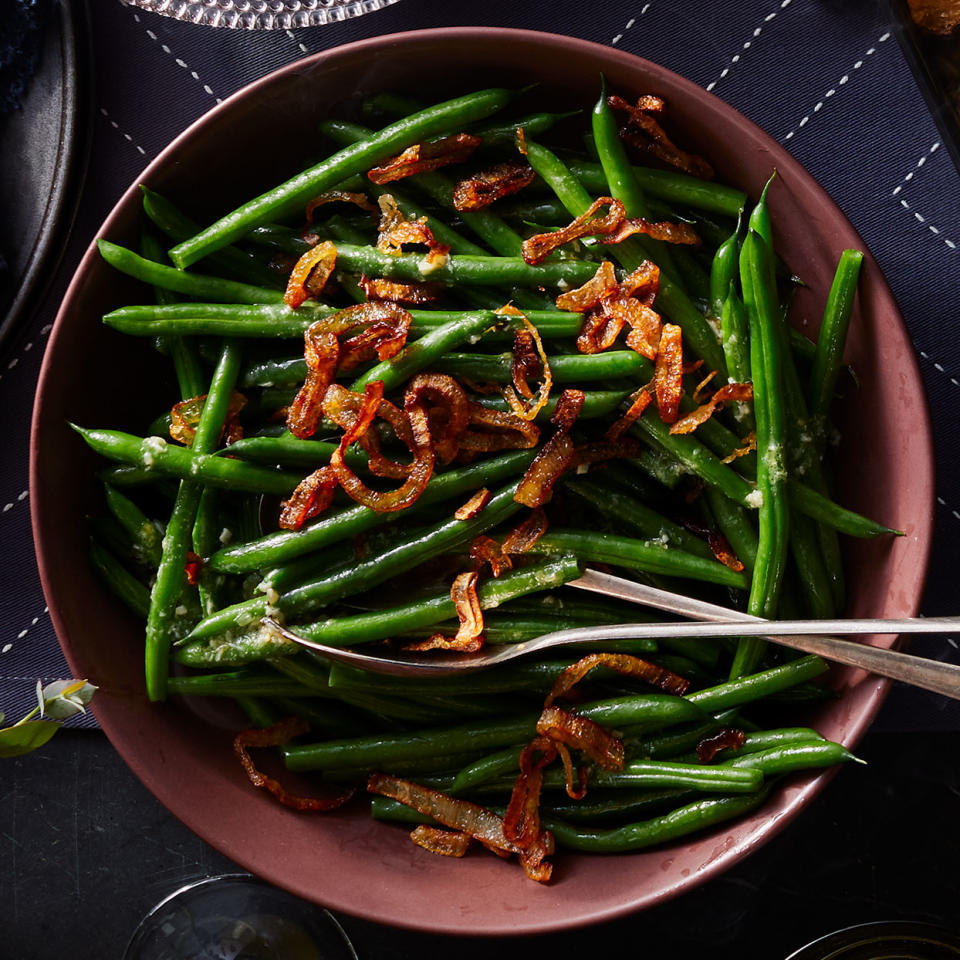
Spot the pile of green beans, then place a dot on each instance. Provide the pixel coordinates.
(189, 543)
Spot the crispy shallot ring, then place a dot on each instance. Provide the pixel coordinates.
(445, 843)
(485, 549)
(665, 231)
(276, 736)
(411, 428)
(726, 738)
(315, 266)
(528, 363)
(491, 430)
(469, 637)
(448, 410)
(538, 247)
(526, 533)
(360, 200)
(623, 663)
(412, 294)
(581, 733)
(185, 415)
(749, 445)
(521, 821)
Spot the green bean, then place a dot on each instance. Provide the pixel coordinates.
(351, 160)
(236, 263)
(648, 711)
(723, 274)
(471, 271)
(660, 774)
(833, 334)
(280, 547)
(419, 355)
(192, 284)
(674, 187)
(145, 534)
(638, 518)
(756, 277)
(155, 455)
(609, 365)
(167, 587)
(818, 507)
(288, 450)
(123, 584)
(355, 578)
(651, 557)
(379, 624)
(278, 320)
(370, 752)
(699, 815)
(237, 683)
(190, 376)
(596, 403)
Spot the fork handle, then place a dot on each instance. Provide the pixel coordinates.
(942, 678)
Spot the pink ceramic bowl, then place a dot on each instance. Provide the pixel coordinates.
(344, 860)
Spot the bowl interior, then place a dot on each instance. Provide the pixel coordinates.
(95, 377)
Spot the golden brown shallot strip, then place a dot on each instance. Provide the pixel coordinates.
(321, 350)
(639, 401)
(583, 734)
(622, 663)
(310, 274)
(276, 736)
(538, 247)
(536, 487)
(313, 496)
(423, 157)
(469, 818)
(727, 393)
(668, 373)
(600, 286)
(412, 294)
(501, 180)
(644, 132)
(474, 505)
(445, 843)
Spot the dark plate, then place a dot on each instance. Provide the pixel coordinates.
(41, 164)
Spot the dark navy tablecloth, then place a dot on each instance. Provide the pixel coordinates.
(826, 78)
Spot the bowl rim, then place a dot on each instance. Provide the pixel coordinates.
(801, 791)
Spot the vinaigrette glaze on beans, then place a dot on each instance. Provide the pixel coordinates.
(418, 387)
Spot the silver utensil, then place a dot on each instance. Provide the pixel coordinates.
(810, 636)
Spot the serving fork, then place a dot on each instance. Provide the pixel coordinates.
(810, 636)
